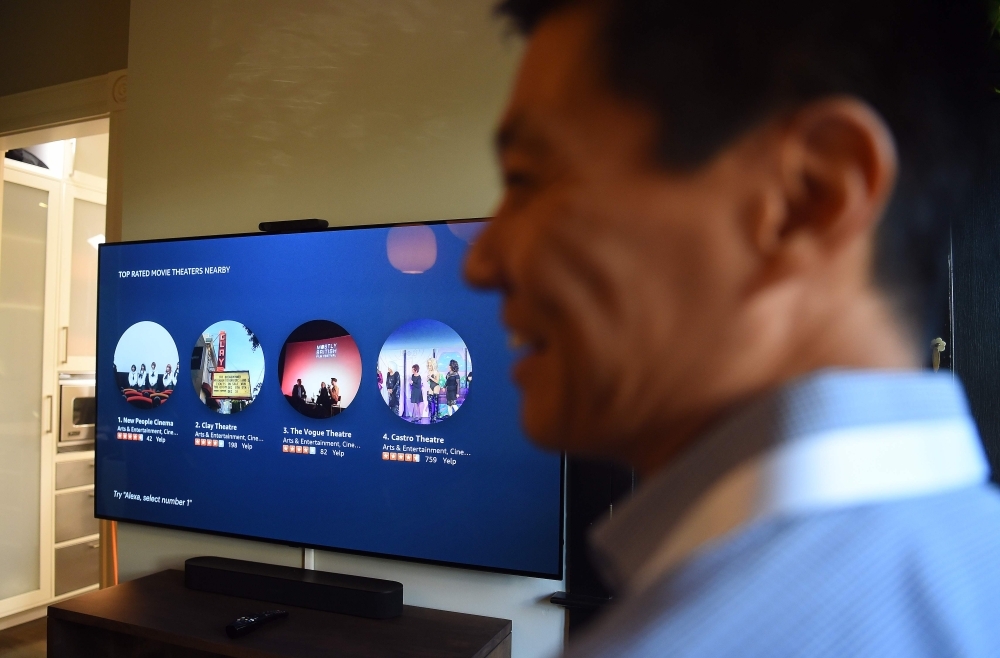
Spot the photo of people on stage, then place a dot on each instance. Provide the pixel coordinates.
(424, 372)
(320, 369)
(227, 367)
(146, 365)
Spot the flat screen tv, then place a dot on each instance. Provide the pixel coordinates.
(340, 389)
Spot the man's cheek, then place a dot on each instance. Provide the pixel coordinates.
(543, 393)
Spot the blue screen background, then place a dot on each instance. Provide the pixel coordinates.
(498, 507)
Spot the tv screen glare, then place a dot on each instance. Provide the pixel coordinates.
(340, 389)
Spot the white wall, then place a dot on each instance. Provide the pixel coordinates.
(350, 110)
(355, 111)
(92, 155)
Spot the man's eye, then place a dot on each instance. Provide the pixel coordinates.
(516, 179)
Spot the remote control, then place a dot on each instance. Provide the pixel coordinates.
(249, 623)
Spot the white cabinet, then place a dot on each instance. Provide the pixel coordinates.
(50, 226)
(28, 286)
(82, 230)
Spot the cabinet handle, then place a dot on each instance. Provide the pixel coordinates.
(49, 398)
(65, 345)
(97, 545)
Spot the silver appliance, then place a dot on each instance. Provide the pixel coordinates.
(77, 411)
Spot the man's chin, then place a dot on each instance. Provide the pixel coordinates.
(548, 444)
(543, 428)
(549, 430)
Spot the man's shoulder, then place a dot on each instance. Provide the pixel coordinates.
(913, 576)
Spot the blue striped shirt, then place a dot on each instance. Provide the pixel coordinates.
(846, 514)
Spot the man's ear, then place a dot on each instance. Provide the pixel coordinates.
(836, 168)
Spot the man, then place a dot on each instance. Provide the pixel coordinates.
(731, 220)
(335, 391)
(298, 392)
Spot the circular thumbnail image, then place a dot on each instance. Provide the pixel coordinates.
(424, 371)
(146, 365)
(227, 367)
(320, 369)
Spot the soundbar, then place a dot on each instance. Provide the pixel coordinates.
(320, 590)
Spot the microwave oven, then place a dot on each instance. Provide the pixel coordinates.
(77, 411)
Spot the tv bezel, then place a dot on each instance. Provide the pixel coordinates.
(558, 575)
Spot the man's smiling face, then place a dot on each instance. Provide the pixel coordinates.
(617, 272)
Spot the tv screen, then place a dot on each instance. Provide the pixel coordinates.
(317, 389)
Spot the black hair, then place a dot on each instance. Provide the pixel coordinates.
(713, 70)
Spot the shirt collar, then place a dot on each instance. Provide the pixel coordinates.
(834, 438)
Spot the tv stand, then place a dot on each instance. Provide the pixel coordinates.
(157, 615)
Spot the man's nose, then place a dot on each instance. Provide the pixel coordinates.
(483, 263)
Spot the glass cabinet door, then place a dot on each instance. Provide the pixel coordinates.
(23, 240)
(87, 232)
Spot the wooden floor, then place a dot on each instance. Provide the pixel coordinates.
(24, 641)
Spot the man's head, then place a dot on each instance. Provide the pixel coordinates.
(704, 200)
(298, 381)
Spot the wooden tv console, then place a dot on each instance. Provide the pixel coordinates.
(158, 616)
